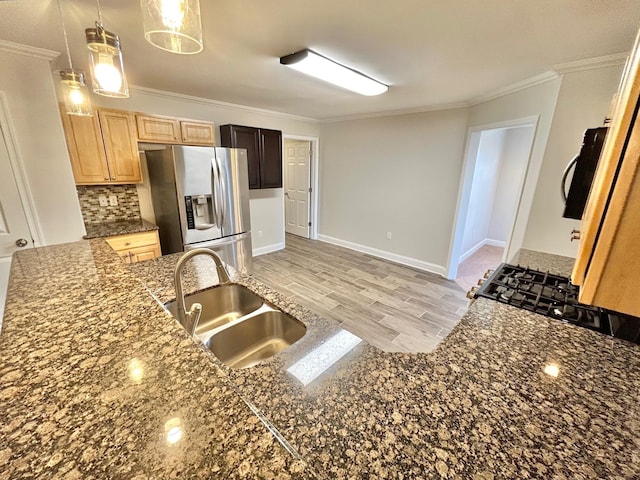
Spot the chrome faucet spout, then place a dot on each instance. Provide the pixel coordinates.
(189, 318)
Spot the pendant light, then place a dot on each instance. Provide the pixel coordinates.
(105, 55)
(173, 25)
(74, 91)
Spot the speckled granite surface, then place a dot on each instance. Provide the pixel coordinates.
(121, 227)
(479, 407)
(544, 261)
(97, 381)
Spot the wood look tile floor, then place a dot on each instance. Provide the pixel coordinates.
(391, 306)
(474, 267)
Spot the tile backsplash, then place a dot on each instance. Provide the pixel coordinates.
(128, 207)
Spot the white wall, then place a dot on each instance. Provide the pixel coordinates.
(583, 102)
(267, 206)
(538, 100)
(33, 111)
(515, 154)
(483, 189)
(397, 174)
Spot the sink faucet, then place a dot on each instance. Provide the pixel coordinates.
(189, 319)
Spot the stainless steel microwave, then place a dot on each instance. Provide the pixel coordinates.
(584, 165)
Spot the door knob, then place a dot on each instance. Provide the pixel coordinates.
(21, 242)
(286, 194)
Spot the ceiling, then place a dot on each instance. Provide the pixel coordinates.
(431, 53)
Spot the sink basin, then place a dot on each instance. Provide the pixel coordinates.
(255, 338)
(221, 305)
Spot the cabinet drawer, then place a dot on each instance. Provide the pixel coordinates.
(134, 240)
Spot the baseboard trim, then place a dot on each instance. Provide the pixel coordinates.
(487, 241)
(267, 249)
(393, 257)
(495, 243)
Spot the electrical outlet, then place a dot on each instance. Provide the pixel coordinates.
(103, 200)
(113, 200)
(388, 235)
(259, 233)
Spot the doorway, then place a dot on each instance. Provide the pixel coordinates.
(300, 185)
(493, 180)
(16, 232)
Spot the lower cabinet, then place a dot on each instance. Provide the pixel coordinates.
(136, 247)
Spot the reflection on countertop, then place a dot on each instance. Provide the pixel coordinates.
(97, 378)
(120, 227)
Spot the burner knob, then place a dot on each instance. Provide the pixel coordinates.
(488, 273)
(472, 293)
(481, 281)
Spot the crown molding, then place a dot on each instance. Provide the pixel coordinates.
(27, 50)
(217, 103)
(591, 63)
(514, 87)
(393, 113)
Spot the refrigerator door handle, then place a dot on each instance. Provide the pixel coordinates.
(220, 189)
(216, 200)
(205, 226)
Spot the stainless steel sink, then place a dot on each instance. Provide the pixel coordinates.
(255, 338)
(221, 305)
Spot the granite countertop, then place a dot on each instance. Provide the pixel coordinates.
(120, 227)
(479, 407)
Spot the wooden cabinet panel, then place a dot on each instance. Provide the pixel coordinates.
(197, 133)
(157, 129)
(121, 148)
(86, 149)
(608, 262)
(264, 153)
(271, 158)
(136, 247)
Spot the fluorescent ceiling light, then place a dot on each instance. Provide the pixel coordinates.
(309, 62)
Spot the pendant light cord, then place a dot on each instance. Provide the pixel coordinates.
(64, 32)
(99, 12)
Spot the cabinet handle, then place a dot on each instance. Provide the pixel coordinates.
(113, 178)
(107, 178)
(127, 244)
(575, 234)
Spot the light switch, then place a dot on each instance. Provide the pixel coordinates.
(103, 200)
(113, 200)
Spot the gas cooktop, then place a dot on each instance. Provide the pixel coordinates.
(555, 296)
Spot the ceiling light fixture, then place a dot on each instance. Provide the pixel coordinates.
(173, 25)
(309, 62)
(74, 91)
(105, 55)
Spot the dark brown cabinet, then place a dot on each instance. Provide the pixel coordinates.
(264, 153)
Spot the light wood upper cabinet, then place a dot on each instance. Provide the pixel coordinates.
(103, 148)
(197, 133)
(86, 149)
(119, 135)
(157, 129)
(174, 131)
(608, 264)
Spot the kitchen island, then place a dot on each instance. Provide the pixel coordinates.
(480, 406)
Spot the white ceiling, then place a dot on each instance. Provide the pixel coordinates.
(430, 52)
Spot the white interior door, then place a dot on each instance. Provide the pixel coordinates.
(14, 229)
(297, 182)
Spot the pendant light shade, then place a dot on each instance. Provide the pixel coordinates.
(173, 25)
(107, 67)
(75, 93)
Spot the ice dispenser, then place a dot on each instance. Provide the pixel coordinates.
(199, 212)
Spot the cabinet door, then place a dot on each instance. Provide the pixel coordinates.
(119, 136)
(271, 158)
(197, 133)
(157, 129)
(236, 136)
(86, 149)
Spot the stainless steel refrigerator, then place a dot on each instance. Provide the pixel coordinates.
(200, 198)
